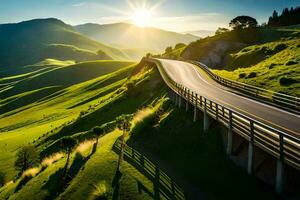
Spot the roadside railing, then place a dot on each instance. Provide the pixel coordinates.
(163, 185)
(282, 145)
(280, 99)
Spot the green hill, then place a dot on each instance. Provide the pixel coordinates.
(130, 36)
(215, 51)
(23, 90)
(274, 66)
(28, 42)
(79, 108)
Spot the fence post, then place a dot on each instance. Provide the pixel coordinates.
(250, 148)
(195, 108)
(187, 100)
(205, 118)
(229, 134)
(280, 166)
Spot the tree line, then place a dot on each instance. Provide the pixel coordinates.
(288, 17)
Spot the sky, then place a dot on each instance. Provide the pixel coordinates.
(173, 15)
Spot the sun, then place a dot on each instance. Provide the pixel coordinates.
(141, 17)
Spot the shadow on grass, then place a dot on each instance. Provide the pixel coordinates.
(57, 183)
(163, 186)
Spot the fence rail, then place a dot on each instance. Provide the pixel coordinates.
(280, 99)
(283, 146)
(165, 186)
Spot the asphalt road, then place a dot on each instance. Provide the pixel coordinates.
(197, 80)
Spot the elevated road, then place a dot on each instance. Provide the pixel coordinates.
(196, 79)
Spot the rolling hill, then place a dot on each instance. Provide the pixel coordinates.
(32, 41)
(126, 35)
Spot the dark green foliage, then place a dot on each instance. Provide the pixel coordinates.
(168, 50)
(280, 47)
(285, 81)
(221, 30)
(288, 17)
(123, 122)
(272, 66)
(252, 75)
(242, 22)
(179, 45)
(68, 143)
(27, 157)
(2, 179)
(291, 62)
(242, 75)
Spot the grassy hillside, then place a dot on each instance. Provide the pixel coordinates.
(36, 119)
(215, 51)
(274, 66)
(80, 107)
(131, 36)
(25, 89)
(49, 32)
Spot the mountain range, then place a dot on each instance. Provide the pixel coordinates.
(124, 35)
(33, 41)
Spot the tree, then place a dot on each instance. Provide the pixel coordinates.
(179, 45)
(242, 22)
(123, 123)
(98, 131)
(221, 30)
(168, 50)
(27, 157)
(148, 55)
(68, 144)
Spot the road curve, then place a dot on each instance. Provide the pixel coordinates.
(197, 80)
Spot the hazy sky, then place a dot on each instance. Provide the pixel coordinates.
(175, 15)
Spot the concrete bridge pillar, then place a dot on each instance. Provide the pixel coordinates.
(187, 92)
(229, 135)
(250, 149)
(195, 108)
(280, 167)
(205, 118)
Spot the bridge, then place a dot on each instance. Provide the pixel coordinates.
(263, 124)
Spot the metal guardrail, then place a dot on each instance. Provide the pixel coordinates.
(277, 143)
(282, 100)
(166, 187)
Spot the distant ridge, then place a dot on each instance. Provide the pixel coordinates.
(27, 42)
(131, 36)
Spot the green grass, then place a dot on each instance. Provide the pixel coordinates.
(32, 120)
(99, 170)
(270, 68)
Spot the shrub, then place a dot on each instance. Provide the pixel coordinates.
(272, 66)
(27, 157)
(252, 75)
(242, 75)
(291, 62)
(284, 81)
(280, 47)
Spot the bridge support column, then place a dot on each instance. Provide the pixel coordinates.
(280, 167)
(195, 108)
(179, 101)
(250, 149)
(205, 118)
(279, 176)
(229, 135)
(187, 100)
